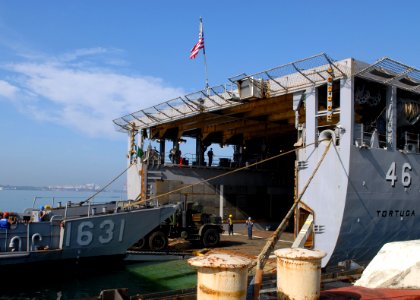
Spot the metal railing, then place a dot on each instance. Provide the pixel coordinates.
(411, 142)
(280, 80)
(369, 139)
(391, 72)
(60, 203)
(188, 159)
(209, 99)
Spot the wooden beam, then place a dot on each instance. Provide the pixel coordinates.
(251, 116)
(281, 102)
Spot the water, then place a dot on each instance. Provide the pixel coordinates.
(139, 278)
(57, 284)
(18, 200)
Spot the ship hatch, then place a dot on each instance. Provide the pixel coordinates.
(302, 215)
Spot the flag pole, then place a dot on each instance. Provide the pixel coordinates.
(204, 55)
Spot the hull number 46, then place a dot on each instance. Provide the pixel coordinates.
(391, 175)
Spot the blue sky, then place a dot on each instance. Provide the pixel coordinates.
(68, 68)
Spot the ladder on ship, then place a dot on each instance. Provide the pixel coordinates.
(151, 174)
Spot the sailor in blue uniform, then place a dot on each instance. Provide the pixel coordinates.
(249, 224)
(4, 222)
(42, 214)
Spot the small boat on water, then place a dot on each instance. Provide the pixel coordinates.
(76, 233)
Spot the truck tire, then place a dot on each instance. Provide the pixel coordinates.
(211, 238)
(141, 244)
(158, 241)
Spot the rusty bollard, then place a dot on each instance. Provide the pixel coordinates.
(221, 276)
(298, 273)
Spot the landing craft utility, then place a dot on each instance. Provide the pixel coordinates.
(365, 117)
(75, 233)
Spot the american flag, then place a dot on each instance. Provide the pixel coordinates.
(200, 43)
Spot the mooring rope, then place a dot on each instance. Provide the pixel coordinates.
(102, 189)
(269, 246)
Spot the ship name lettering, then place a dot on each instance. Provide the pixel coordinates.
(396, 213)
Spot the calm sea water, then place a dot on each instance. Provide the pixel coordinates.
(18, 200)
(63, 285)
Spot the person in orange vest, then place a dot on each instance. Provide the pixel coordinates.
(230, 222)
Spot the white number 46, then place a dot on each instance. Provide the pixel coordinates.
(405, 176)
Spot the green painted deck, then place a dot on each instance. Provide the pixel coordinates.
(164, 276)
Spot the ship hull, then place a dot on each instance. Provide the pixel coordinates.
(78, 239)
(376, 210)
(356, 208)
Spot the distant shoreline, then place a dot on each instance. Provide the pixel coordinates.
(53, 189)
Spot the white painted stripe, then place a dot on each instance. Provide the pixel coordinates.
(120, 238)
(68, 233)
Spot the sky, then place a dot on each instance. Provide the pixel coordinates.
(68, 68)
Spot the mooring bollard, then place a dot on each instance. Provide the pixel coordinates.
(298, 273)
(221, 276)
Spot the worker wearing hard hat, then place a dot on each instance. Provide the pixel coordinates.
(249, 225)
(230, 222)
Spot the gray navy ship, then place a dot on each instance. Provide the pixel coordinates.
(365, 117)
(75, 234)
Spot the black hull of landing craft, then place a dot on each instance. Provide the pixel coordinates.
(85, 263)
(51, 271)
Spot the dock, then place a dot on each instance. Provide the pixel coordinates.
(238, 245)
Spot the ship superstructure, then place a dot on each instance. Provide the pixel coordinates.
(366, 191)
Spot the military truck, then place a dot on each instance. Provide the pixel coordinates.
(189, 223)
